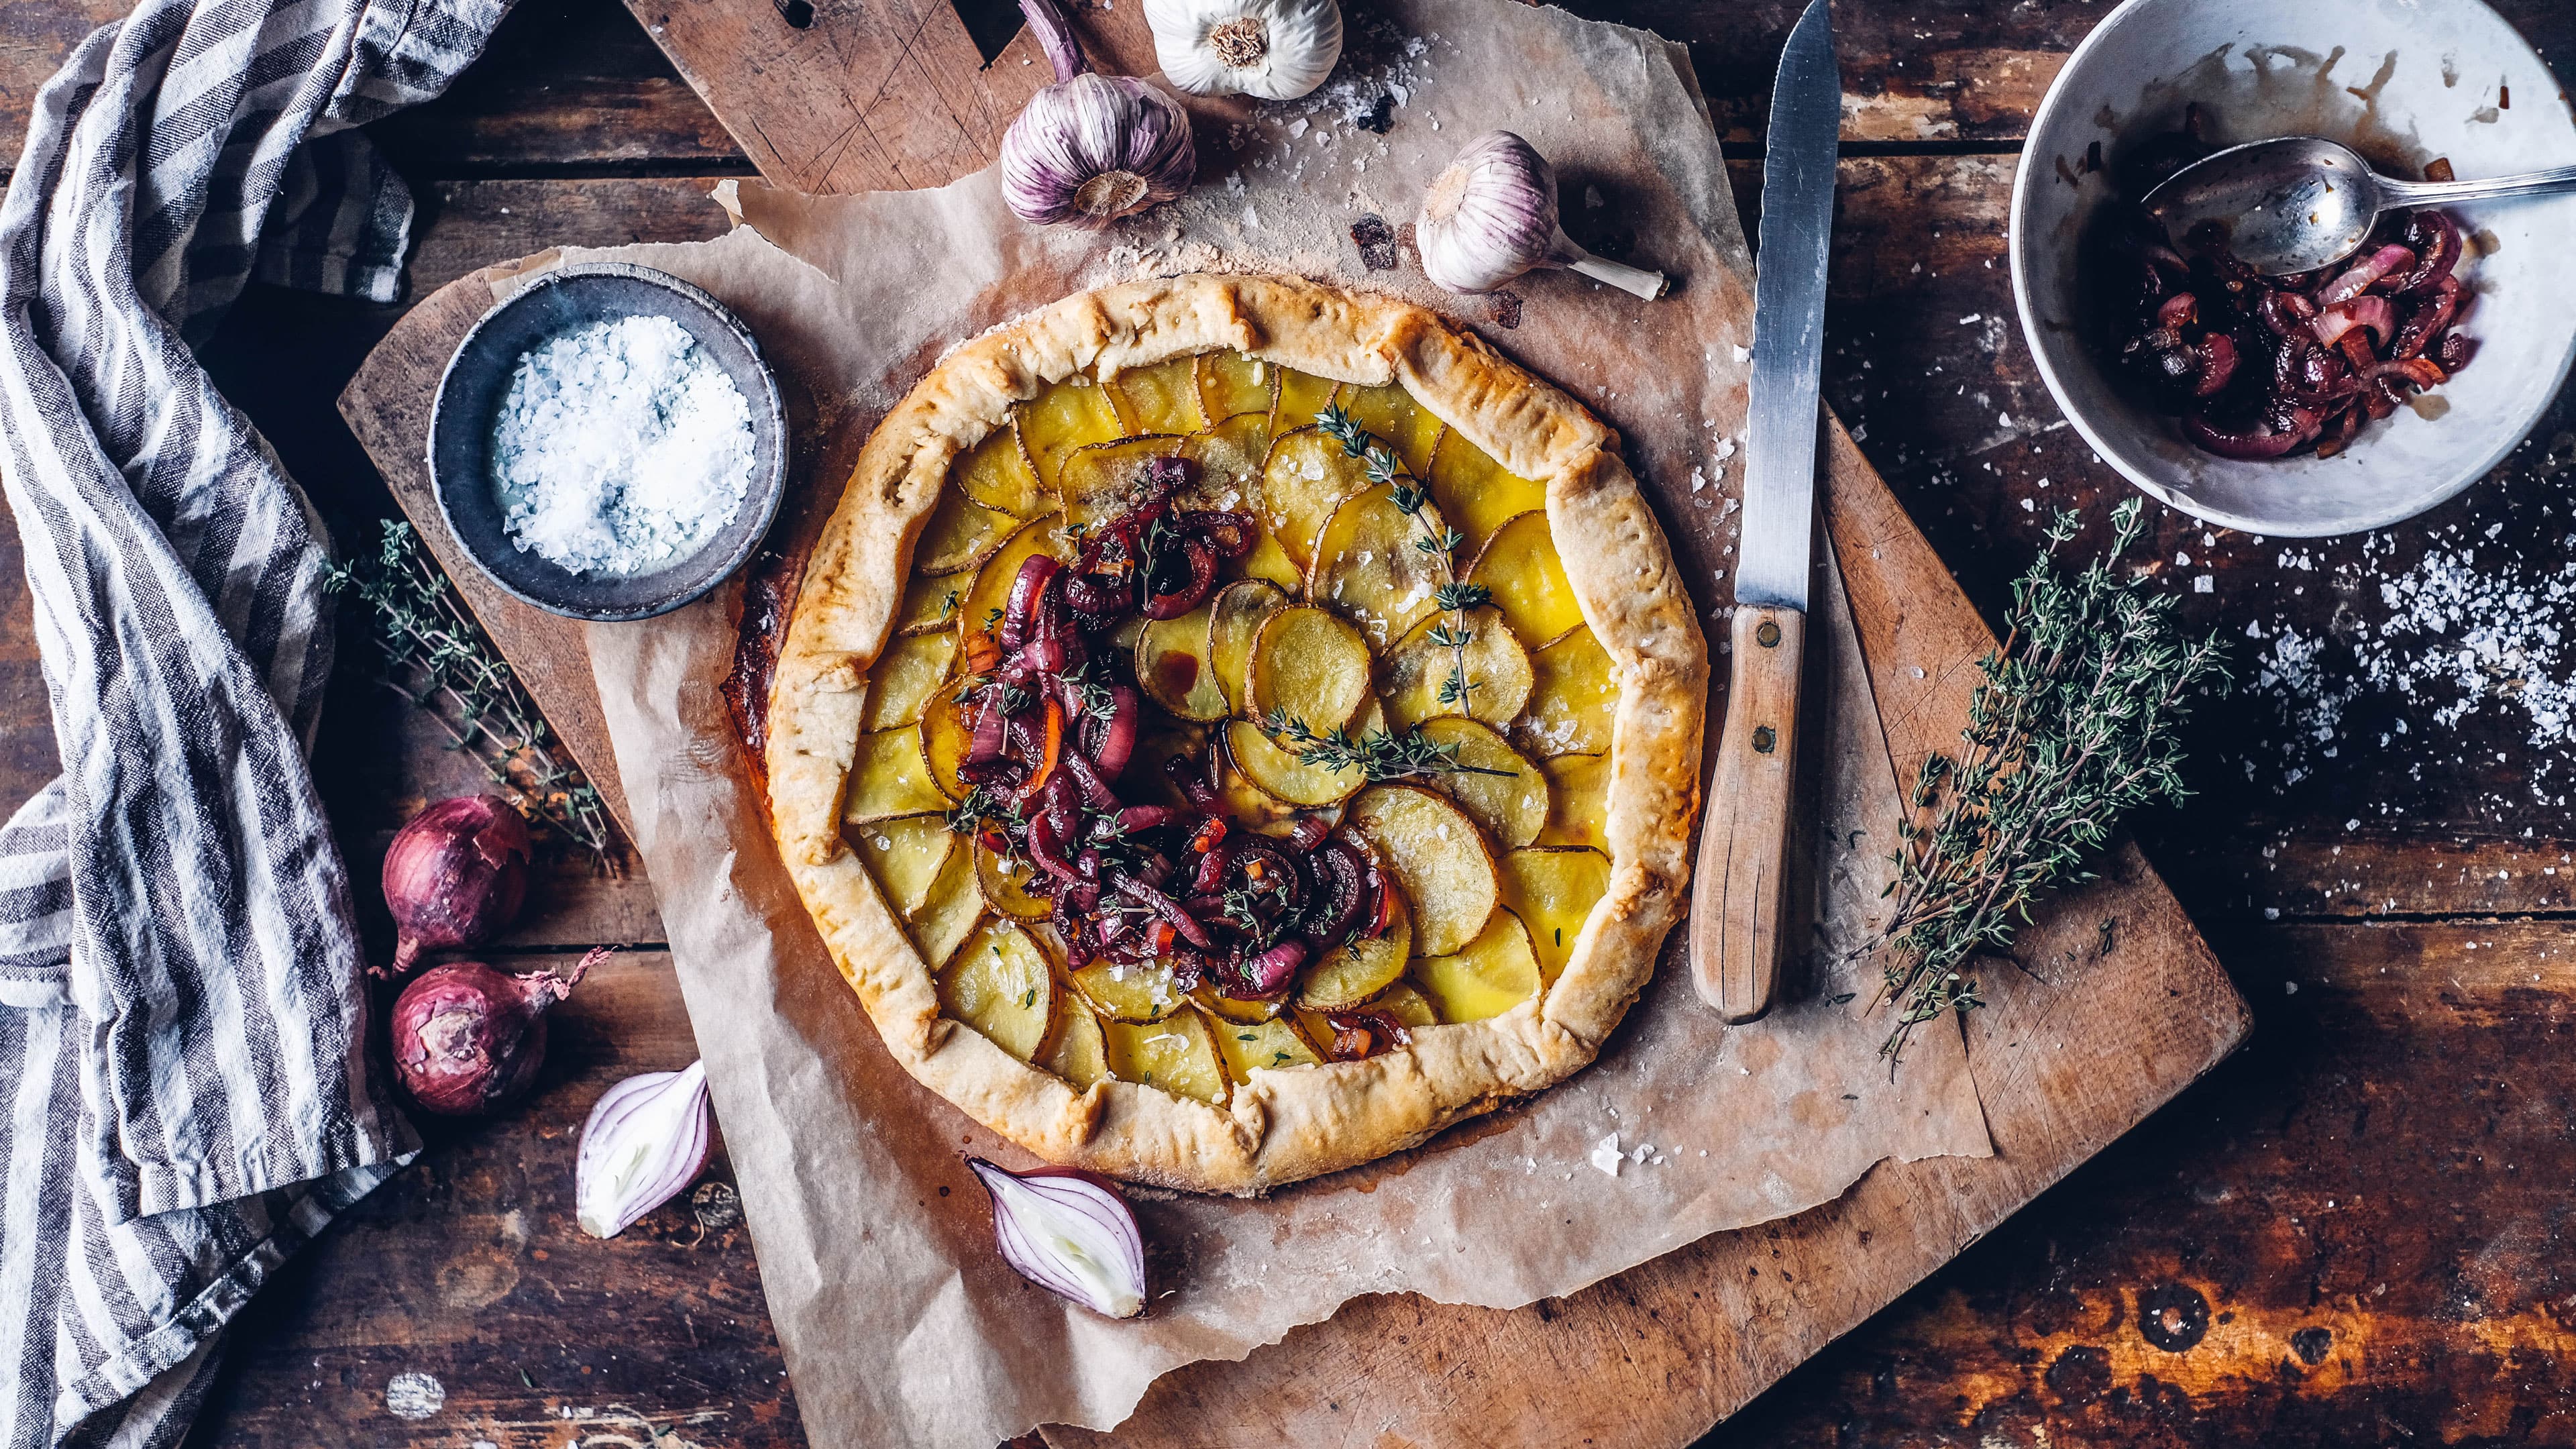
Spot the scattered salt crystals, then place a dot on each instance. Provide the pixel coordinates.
(1743, 354)
(621, 448)
(1860, 432)
(1606, 1155)
(2204, 585)
(1641, 1152)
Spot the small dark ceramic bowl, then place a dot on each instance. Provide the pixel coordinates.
(469, 402)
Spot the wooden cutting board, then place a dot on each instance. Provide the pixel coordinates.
(2131, 1007)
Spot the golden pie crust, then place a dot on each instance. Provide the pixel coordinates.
(1281, 1126)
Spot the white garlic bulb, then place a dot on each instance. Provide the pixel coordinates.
(1275, 49)
(1492, 216)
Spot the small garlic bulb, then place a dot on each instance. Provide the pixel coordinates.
(1091, 148)
(1275, 49)
(1492, 216)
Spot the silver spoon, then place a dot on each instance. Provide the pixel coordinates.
(2298, 203)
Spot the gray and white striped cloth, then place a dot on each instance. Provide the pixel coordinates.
(182, 1012)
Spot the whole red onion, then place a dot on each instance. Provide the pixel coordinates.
(467, 1038)
(455, 875)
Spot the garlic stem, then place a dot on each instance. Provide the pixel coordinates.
(1635, 280)
(1055, 37)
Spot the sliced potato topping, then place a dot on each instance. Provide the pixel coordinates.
(1574, 699)
(1553, 891)
(1231, 383)
(1104, 480)
(1275, 772)
(1175, 1055)
(959, 534)
(1505, 794)
(950, 912)
(1413, 677)
(1309, 664)
(1329, 619)
(1578, 793)
(1172, 666)
(1436, 856)
(904, 677)
(1408, 1006)
(1223, 1008)
(1519, 564)
(1361, 967)
(1000, 985)
(907, 856)
(983, 605)
(930, 602)
(1129, 991)
(888, 777)
(1264, 1047)
(1485, 978)
(996, 473)
(1305, 478)
(1079, 1053)
(1248, 805)
(1368, 567)
(1073, 414)
(1003, 883)
(1235, 616)
(946, 735)
(1475, 492)
(1267, 562)
(1302, 399)
(1229, 456)
(1162, 398)
(1401, 423)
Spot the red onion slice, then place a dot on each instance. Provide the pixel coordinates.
(645, 1141)
(1068, 1233)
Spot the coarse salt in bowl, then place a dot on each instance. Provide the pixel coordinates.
(2401, 81)
(608, 443)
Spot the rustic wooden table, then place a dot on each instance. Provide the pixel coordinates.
(2352, 1232)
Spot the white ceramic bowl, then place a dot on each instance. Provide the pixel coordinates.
(2401, 81)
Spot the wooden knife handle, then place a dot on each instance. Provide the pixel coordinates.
(1740, 888)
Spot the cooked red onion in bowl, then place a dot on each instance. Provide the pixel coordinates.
(2259, 367)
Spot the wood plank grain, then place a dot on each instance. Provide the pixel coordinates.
(469, 1268)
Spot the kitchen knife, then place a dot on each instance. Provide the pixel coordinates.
(1736, 907)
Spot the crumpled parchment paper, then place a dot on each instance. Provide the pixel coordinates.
(901, 1325)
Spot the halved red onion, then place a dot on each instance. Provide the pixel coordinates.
(1069, 1233)
(645, 1141)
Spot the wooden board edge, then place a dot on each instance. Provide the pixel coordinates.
(387, 406)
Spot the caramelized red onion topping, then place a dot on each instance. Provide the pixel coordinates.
(2259, 367)
(1053, 732)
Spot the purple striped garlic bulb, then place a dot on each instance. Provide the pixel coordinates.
(1091, 148)
(1492, 216)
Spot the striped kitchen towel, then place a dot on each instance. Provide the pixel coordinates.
(182, 1011)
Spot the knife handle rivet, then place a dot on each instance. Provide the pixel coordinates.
(1764, 739)
(1767, 634)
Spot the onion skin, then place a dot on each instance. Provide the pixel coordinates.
(467, 1038)
(455, 876)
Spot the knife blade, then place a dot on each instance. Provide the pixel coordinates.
(1738, 905)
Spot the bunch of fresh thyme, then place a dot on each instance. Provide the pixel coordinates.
(2076, 721)
(435, 656)
(1440, 545)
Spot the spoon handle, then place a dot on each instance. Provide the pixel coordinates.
(2441, 193)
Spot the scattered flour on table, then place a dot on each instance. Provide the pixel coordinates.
(621, 448)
